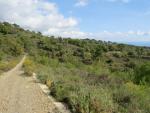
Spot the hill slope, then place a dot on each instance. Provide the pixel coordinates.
(89, 75)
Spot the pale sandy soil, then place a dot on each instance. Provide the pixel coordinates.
(20, 94)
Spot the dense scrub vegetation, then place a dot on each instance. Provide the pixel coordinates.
(89, 76)
(10, 51)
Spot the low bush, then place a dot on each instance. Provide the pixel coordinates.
(90, 76)
(28, 67)
(142, 74)
(85, 92)
(67, 86)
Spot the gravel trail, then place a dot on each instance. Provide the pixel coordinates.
(20, 94)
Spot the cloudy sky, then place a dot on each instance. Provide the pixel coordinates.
(113, 20)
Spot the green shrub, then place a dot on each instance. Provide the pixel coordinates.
(29, 67)
(42, 76)
(142, 74)
(140, 98)
(90, 76)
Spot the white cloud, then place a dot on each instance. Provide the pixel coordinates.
(38, 15)
(129, 36)
(73, 33)
(66, 23)
(44, 16)
(123, 1)
(82, 2)
(77, 34)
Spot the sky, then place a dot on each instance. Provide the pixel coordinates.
(126, 21)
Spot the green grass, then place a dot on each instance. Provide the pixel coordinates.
(89, 76)
(102, 93)
(8, 63)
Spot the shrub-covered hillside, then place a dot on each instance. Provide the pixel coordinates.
(89, 76)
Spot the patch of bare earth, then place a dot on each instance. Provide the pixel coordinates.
(19, 94)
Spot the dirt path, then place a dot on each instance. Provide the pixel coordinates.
(19, 94)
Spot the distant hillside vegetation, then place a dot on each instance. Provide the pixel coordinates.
(90, 76)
